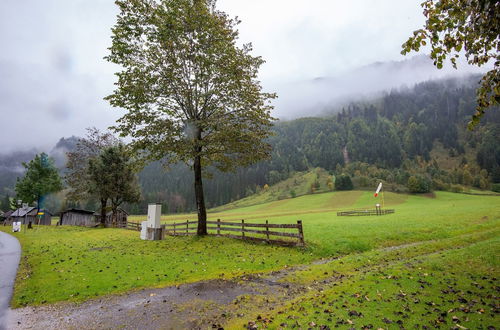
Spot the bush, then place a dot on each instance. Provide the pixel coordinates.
(495, 187)
(418, 184)
(456, 188)
(438, 184)
(343, 182)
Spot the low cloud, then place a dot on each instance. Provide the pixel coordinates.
(317, 96)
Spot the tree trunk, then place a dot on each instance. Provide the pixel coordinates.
(103, 212)
(114, 209)
(200, 199)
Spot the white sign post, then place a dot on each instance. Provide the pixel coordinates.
(16, 226)
(154, 214)
(151, 229)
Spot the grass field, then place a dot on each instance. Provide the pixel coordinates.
(453, 239)
(450, 283)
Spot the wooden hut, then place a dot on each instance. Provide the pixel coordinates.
(76, 217)
(120, 221)
(4, 218)
(28, 215)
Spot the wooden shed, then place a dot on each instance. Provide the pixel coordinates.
(30, 215)
(120, 221)
(5, 217)
(76, 217)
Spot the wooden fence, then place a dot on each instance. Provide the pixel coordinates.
(365, 212)
(259, 232)
(133, 226)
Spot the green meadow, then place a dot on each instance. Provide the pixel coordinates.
(453, 238)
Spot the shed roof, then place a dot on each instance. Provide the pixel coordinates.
(78, 211)
(20, 212)
(7, 214)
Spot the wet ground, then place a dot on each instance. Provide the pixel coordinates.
(10, 253)
(197, 305)
(200, 305)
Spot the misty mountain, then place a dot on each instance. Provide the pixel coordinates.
(11, 163)
(63, 146)
(320, 95)
(402, 132)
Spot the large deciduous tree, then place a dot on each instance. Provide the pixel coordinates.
(112, 176)
(471, 26)
(77, 176)
(191, 93)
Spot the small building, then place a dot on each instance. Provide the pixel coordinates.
(76, 217)
(120, 221)
(5, 216)
(28, 215)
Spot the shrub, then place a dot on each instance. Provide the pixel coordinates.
(343, 182)
(418, 184)
(495, 187)
(456, 188)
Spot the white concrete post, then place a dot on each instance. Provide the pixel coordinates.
(154, 214)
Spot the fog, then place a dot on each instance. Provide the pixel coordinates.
(318, 54)
(329, 94)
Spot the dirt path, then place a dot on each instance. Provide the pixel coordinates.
(198, 305)
(10, 253)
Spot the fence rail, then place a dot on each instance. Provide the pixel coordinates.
(133, 226)
(365, 212)
(229, 229)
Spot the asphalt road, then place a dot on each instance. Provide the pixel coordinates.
(10, 254)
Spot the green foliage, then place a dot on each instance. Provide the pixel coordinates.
(456, 188)
(488, 154)
(343, 182)
(366, 143)
(77, 174)
(468, 25)
(6, 203)
(112, 176)
(185, 79)
(41, 179)
(496, 187)
(190, 92)
(418, 184)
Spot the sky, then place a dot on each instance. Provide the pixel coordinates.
(53, 77)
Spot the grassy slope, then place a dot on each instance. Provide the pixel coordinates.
(300, 183)
(62, 263)
(431, 284)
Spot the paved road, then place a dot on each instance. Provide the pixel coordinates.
(10, 254)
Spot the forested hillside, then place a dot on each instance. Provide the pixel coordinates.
(418, 133)
(407, 132)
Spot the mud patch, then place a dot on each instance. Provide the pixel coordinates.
(196, 305)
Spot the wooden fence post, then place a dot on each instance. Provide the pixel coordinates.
(301, 232)
(174, 228)
(218, 227)
(267, 231)
(243, 228)
(187, 227)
